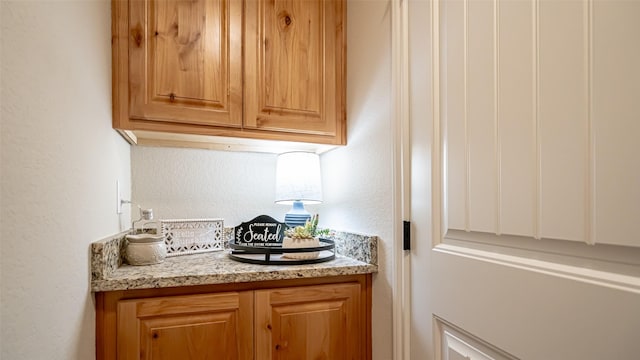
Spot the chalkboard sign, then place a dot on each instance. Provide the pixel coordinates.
(263, 231)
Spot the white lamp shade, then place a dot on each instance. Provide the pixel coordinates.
(298, 178)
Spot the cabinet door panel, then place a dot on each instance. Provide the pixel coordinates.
(183, 66)
(213, 326)
(294, 66)
(315, 322)
(189, 337)
(308, 329)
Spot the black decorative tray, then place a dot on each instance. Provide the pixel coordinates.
(273, 255)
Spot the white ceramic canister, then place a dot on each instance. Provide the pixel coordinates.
(288, 242)
(145, 249)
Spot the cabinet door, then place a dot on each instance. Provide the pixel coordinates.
(184, 59)
(312, 322)
(295, 67)
(211, 326)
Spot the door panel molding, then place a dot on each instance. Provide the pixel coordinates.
(626, 282)
(454, 343)
(520, 156)
(612, 266)
(547, 248)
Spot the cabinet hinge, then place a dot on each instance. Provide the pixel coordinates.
(406, 235)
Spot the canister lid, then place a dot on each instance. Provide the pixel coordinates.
(145, 238)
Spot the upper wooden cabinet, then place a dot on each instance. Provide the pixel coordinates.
(182, 67)
(294, 77)
(268, 70)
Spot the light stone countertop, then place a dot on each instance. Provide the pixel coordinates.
(218, 268)
(110, 274)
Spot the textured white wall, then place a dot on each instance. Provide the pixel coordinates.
(193, 183)
(59, 162)
(358, 178)
(186, 183)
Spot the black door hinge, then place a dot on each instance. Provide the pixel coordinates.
(406, 234)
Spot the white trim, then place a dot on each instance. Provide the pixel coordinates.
(438, 330)
(401, 196)
(439, 171)
(467, 146)
(406, 177)
(461, 347)
(129, 136)
(590, 276)
(474, 347)
(437, 180)
(572, 252)
(497, 145)
(537, 166)
(590, 176)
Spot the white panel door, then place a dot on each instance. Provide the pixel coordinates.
(524, 190)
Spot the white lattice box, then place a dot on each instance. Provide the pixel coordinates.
(192, 236)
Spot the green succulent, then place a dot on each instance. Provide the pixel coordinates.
(309, 230)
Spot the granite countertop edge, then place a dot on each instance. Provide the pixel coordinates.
(109, 273)
(156, 282)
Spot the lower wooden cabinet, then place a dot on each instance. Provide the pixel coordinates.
(313, 322)
(211, 326)
(327, 318)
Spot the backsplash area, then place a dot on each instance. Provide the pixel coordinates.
(356, 246)
(107, 254)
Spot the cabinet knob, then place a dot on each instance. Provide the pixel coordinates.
(283, 345)
(172, 97)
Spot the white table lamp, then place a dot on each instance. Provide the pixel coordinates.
(297, 183)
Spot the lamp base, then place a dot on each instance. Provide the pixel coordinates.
(297, 216)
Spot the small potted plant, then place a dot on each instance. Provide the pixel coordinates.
(303, 237)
